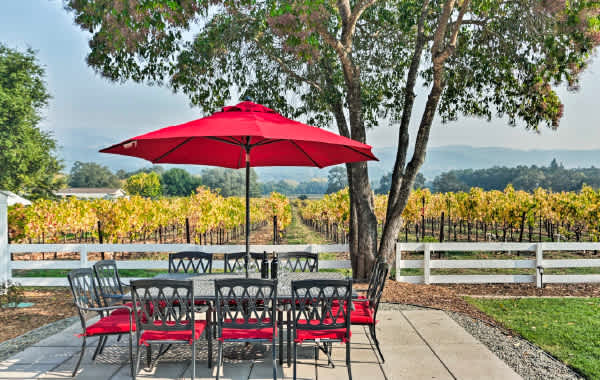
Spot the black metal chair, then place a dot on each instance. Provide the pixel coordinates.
(246, 313)
(89, 304)
(190, 262)
(318, 320)
(365, 309)
(109, 283)
(298, 262)
(165, 315)
(293, 262)
(235, 262)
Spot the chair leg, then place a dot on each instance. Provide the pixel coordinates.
(295, 360)
(80, 357)
(209, 337)
(131, 355)
(374, 336)
(138, 356)
(280, 328)
(289, 336)
(274, 361)
(103, 344)
(219, 359)
(348, 363)
(149, 356)
(193, 359)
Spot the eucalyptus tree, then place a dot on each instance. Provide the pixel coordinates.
(354, 64)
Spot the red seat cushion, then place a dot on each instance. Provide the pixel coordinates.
(361, 315)
(262, 333)
(185, 335)
(113, 324)
(333, 334)
(123, 311)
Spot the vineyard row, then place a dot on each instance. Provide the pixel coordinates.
(477, 215)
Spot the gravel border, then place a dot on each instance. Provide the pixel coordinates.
(13, 346)
(525, 358)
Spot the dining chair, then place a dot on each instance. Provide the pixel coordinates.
(293, 262)
(165, 315)
(235, 262)
(365, 309)
(315, 318)
(190, 262)
(109, 284)
(89, 304)
(246, 313)
(298, 262)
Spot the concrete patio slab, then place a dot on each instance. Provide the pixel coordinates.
(416, 344)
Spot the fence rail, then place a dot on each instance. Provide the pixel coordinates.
(84, 249)
(537, 265)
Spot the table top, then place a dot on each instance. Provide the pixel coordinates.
(204, 284)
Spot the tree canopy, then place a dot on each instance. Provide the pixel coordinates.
(336, 180)
(28, 162)
(231, 182)
(355, 65)
(553, 177)
(91, 174)
(144, 184)
(178, 182)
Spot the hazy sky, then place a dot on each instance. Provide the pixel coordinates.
(87, 111)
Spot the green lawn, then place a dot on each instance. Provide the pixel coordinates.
(568, 328)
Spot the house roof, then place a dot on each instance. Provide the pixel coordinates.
(14, 198)
(88, 190)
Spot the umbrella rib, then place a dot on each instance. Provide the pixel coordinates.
(224, 140)
(306, 154)
(172, 150)
(359, 152)
(265, 142)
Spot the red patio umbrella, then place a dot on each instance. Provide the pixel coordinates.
(247, 134)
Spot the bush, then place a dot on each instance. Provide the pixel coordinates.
(12, 294)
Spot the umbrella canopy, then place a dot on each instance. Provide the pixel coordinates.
(224, 138)
(244, 135)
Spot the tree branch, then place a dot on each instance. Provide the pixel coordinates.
(284, 66)
(409, 100)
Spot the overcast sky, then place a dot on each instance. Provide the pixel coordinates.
(88, 111)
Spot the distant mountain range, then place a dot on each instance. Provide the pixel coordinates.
(439, 159)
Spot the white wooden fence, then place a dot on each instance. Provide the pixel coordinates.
(536, 265)
(84, 249)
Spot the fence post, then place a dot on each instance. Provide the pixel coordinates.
(5, 274)
(539, 264)
(426, 263)
(83, 259)
(398, 259)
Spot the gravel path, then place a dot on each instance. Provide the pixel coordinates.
(18, 344)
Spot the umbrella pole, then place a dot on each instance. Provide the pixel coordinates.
(247, 211)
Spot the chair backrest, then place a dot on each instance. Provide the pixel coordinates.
(234, 262)
(190, 262)
(298, 262)
(378, 277)
(245, 304)
(109, 282)
(321, 304)
(163, 304)
(85, 294)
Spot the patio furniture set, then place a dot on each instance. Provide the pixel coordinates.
(190, 300)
